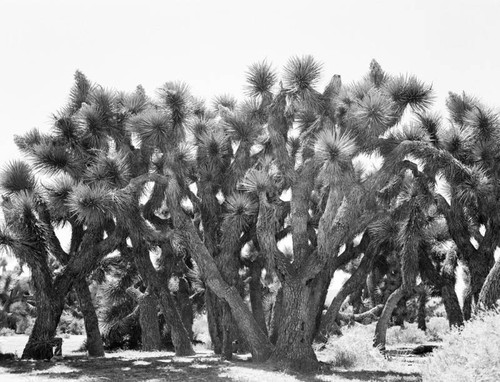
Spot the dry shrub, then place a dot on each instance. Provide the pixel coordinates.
(437, 328)
(354, 349)
(411, 334)
(471, 354)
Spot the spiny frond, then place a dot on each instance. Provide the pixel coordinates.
(30, 139)
(196, 278)
(177, 98)
(94, 125)
(484, 121)
(80, 91)
(16, 176)
(374, 111)
(213, 147)
(459, 105)
(58, 193)
(256, 181)
(430, 122)
(457, 140)
(407, 132)
(243, 130)
(200, 126)
(104, 100)
(409, 91)
(134, 103)
(251, 109)
(112, 170)
(54, 158)
(359, 89)
(240, 206)
(301, 73)
(383, 233)
(224, 101)
(333, 153)
(90, 205)
(154, 129)
(473, 187)
(260, 77)
(293, 146)
(66, 129)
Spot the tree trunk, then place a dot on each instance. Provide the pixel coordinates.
(148, 319)
(94, 341)
(385, 317)
(295, 334)
(214, 319)
(180, 336)
(422, 301)
(256, 295)
(185, 305)
(328, 325)
(260, 345)
(452, 306)
(276, 317)
(50, 307)
(490, 291)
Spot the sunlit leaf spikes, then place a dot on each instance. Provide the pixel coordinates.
(17, 176)
(260, 78)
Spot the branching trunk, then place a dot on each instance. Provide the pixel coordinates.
(385, 317)
(451, 305)
(94, 341)
(328, 322)
(256, 295)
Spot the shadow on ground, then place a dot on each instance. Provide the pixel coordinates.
(171, 368)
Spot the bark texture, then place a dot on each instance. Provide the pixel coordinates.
(95, 347)
(385, 317)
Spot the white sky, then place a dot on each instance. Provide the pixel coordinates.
(209, 44)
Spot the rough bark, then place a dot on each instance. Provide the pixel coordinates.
(214, 320)
(95, 347)
(451, 305)
(180, 336)
(385, 317)
(260, 346)
(295, 335)
(185, 305)
(148, 319)
(490, 292)
(256, 295)
(422, 300)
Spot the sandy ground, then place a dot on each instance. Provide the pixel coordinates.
(165, 366)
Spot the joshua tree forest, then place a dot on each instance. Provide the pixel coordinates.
(301, 230)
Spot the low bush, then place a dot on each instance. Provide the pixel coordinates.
(4, 332)
(437, 328)
(470, 354)
(354, 349)
(410, 334)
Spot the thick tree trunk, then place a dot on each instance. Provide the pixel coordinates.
(148, 319)
(50, 307)
(260, 345)
(451, 305)
(214, 319)
(256, 295)
(385, 317)
(490, 292)
(185, 306)
(295, 335)
(180, 336)
(94, 341)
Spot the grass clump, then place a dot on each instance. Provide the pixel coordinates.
(470, 354)
(437, 328)
(354, 349)
(410, 334)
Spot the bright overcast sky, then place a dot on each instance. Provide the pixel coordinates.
(209, 44)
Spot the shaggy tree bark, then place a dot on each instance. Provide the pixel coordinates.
(94, 341)
(490, 293)
(256, 294)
